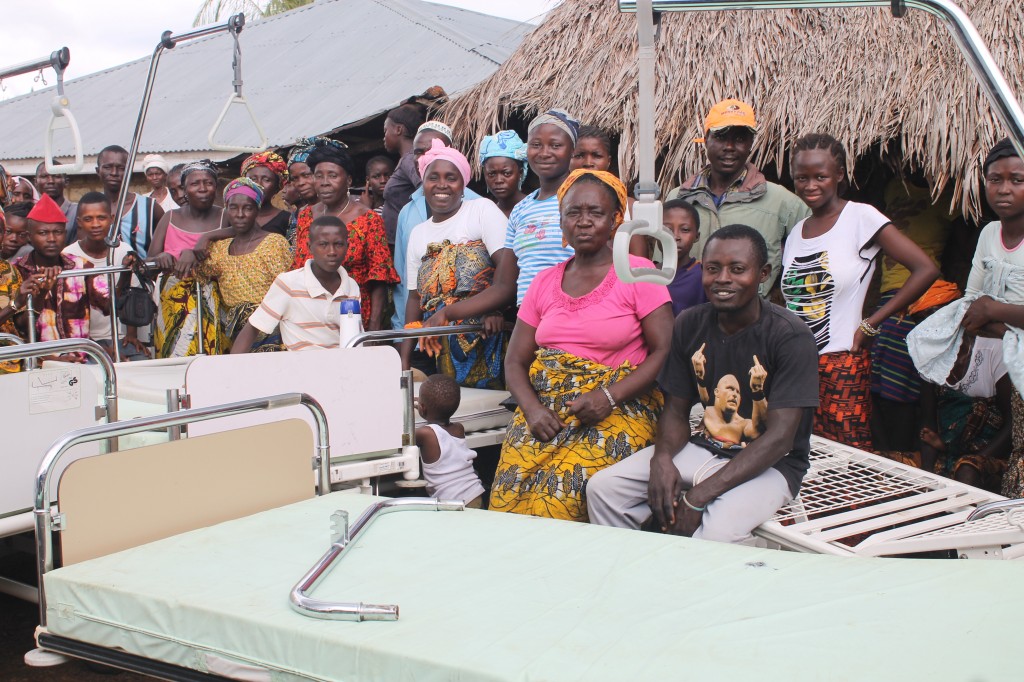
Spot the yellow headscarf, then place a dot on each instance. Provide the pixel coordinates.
(608, 179)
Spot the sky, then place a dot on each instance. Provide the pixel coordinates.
(105, 33)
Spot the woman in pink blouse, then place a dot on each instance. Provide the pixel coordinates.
(582, 362)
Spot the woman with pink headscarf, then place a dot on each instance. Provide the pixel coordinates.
(451, 258)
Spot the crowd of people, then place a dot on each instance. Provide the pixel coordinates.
(602, 373)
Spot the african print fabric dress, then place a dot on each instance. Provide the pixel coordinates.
(550, 479)
(10, 283)
(454, 272)
(177, 328)
(1013, 481)
(844, 409)
(242, 282)
(966, 426)
(367, 260)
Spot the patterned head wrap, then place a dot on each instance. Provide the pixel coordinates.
(437, 127)
(559, 119)
(304, 147)
(245, 187)
(270, 160)
(201, 165)
(507, 144)
(606, 178)
(440, 151)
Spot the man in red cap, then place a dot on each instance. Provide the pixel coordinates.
(730, 190)
(61, 305)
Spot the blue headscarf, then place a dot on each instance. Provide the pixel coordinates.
(507, 144)
(305, 146)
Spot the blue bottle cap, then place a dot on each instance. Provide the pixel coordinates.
(350, 305)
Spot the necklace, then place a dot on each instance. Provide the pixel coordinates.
(254, 238)
(340, 211)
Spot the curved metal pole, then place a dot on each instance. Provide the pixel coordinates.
(395, 334)
(994, 508)
(43, 502)
(87, 346)
(168, 41)
(978, 57)
(299, 598)
(58, 59)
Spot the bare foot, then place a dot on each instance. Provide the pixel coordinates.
(929, 437)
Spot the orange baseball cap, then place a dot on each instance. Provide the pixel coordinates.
(729, 113)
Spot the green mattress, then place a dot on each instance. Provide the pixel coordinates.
(488, 596)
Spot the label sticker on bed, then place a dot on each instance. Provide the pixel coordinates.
(53, 390)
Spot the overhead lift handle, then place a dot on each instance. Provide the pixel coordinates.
(236, 97)
(61, 118)
(647, 211)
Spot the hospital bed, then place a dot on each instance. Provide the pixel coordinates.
(483, 596)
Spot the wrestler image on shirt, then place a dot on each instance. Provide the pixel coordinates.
(723, 423)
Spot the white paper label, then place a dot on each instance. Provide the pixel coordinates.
(53, 390)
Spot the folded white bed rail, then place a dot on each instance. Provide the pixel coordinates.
(855, 503)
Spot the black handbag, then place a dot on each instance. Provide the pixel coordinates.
(135, 306)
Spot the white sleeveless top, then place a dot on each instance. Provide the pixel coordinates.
(452, 476)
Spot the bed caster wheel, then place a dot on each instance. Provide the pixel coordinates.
(41, 658)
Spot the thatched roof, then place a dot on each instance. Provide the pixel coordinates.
(858, 74)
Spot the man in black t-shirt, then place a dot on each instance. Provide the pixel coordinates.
(754, 367)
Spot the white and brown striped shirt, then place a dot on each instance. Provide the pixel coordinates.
(306, 312)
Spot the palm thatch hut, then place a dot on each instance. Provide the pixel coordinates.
(872, 81)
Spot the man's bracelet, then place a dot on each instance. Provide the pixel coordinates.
(608, 394)
(682, 498)
(757, 395)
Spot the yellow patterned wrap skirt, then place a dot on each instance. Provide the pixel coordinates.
(550, 479)
(176, 330)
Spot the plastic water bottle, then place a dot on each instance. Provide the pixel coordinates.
(350, 320)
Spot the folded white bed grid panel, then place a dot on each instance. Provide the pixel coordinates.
(854, 502)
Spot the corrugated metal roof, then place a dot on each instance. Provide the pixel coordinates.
(307, 71)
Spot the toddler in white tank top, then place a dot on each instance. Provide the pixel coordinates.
(447, 460)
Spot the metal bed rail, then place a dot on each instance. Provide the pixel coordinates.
(15, 340)
(47, 515)
(401, 334)
(109, 271)
(86, 346)
(342, 536)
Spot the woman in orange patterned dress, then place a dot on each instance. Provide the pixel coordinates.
(368, 260)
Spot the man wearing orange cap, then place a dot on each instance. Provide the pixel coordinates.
(61, 305)
(730, 190)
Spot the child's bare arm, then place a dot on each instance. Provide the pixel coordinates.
(426, 440)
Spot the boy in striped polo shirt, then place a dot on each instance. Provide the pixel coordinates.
(304, 303)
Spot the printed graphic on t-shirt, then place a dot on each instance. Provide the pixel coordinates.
(735, 413)
(808, 287)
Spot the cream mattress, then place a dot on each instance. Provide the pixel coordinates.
(488, 596)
